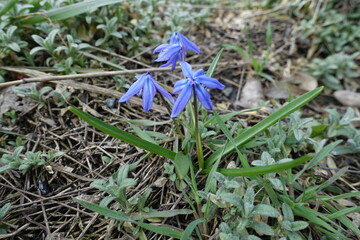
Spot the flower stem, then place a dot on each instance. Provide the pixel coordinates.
(199, 149)
(177, 127)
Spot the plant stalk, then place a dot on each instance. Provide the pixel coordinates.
(199, 149)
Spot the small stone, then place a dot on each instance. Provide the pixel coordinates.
(348, 98)
(110, 102)
(227, 91)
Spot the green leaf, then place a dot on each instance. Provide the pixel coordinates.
(318, 157)
(5, 168)
(4, 210)
(227, 133)
(122, 135)
(249, 133)
(298, 225)
(14, 46)
(190, 228)
(238, 49)
(265, 210)
(227, 116)
(253, 171)
(161, 214)
(10, 132)
(212, 67)
(343, 212)
(10, 4)
(315, 217)
(182, 164)
(263, 228)
(67, 11)
(163, 230)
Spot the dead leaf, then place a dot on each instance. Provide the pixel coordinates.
(348, 98)
(160, 182)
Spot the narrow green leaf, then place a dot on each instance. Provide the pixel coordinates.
(343, 219)
(253, 171)
(122, 135)
(161, 214)
(238, 49)
(318, 157)
(227, 133)
(343, 212)
(8, 6)
(10, 132)
(249, 133)
(143, 122)
(190, 228)
(5, 168)
(342, 196)
(227, 116)
(315, 217)
(212, 67)
(163, 230)
(68, 11)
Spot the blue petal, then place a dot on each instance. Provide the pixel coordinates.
(148, 94)
(186, 69)
(161, 47)
(163, 92)
(179, 85)
(187, 44)
(169, 52)
(172, 60)
(174, 38)
(203, 96)
(135, 88)
(209, 82)
(198, 73)
(182, 100)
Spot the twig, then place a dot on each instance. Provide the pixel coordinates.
(6, 236)
(89, 75)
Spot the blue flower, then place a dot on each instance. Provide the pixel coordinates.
(175, 50)
(194, 81)
(147, 86)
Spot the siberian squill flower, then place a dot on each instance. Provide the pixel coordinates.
(194, 81)
(147, 87)
(175, 50)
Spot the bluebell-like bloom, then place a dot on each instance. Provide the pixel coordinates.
(175, 50)
(147, 87)
(194, 80)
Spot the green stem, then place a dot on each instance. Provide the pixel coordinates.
(199, 149)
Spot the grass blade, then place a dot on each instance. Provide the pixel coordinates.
(122, 135)
(254, 171)
(249, 133)
(68, 11)
(166, 231)
(190, 228)
(212, 67)
(10, 132)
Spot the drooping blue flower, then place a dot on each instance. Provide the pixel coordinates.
(194, 81)
(147, 87)
(175, 50)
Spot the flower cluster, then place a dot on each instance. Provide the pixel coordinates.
(194, 83)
